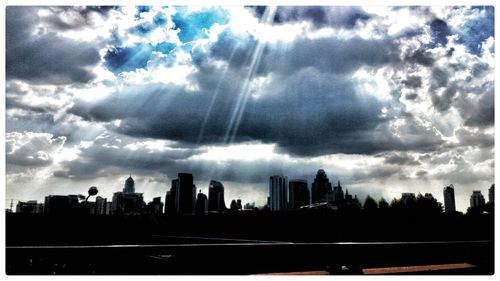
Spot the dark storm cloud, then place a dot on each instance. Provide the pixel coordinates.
(79, 17)
(311, 114)
(325, 54)
(311, 107)
(439, 32)
(421, 57)
(44, 58)
(320, 16)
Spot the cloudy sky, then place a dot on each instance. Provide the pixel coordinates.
(384, 99)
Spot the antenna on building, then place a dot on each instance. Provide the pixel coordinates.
(11, 204)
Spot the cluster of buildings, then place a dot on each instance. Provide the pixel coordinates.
(294, 194)
(182, 199)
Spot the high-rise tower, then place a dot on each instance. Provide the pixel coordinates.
(449, 199)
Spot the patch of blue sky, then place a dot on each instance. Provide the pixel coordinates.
(140, 10)
(193, 25)
(165, 47)
(475, 32)
(160, 19)
(127, 59)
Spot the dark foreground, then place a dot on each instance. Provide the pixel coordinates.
(248, 244)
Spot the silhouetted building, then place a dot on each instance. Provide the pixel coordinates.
(338, 194)
(298, 194)
(29, 207)
(127, 203)
(61, 204)
(108, 208)
(348, 197)
(233, 206)
(278, 193)
(321, 188)
(129, 186)
(201, 204)
(101, 205)
(88, 208)
(249, 206)
(407, 196)
(182, 196)
(216, 197)
(170, 198)
(449, 199)
(155, 207)
(476, 199)
(491, 194)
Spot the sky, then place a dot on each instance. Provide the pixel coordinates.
(385, 99)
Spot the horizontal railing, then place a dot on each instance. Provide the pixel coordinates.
(212, 256)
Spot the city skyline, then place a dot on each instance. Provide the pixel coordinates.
(385, 99)
(283, 196)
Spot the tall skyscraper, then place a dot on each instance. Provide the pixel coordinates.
(216, 197)
(449, 199)
(129, 186)
(321, 188)
(298, 194)
(170, 198)
(277, 193)
(476, 199)
(181, 198)
(491, 194)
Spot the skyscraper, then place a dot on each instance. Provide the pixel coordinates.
(100, 205)
(449, 199)
(321, 187)
(129, 186)
(476, 199)
(277, 193)
(338, 194)
(170, 198)
(216, 197)
(128, 201)
(298, 194)
(181, 198)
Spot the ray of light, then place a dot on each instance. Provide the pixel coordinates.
(214, 97)
(239, 109)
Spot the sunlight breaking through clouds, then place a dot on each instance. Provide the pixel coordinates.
(385, 99)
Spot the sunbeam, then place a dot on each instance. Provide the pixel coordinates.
(237, 114)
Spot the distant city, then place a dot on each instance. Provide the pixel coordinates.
(284, 196)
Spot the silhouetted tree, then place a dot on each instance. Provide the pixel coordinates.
(382, 204)
(428, 205)
(370, 205)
